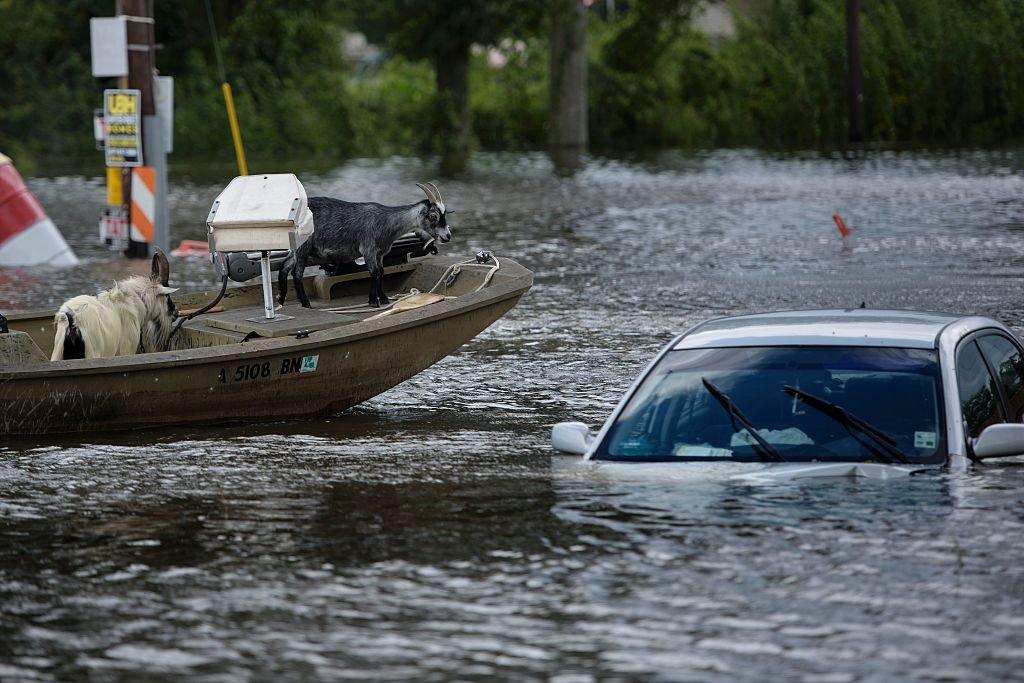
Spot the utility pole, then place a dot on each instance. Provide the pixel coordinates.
(140, 28)
(855, 73)
(567, 101)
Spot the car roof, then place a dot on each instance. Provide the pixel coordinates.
(839, 327)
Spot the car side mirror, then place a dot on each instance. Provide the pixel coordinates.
(1000, 440)
(571, 437)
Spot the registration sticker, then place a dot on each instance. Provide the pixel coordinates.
(309, 363)
(688, 451)
(924, 439)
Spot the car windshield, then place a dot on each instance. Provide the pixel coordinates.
(674, 415)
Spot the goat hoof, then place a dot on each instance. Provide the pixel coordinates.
(306, 304)
(385, 301)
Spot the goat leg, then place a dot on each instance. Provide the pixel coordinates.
(376, 276)
(282, 279)
(381, 294)
(298, 270)
(375, 290)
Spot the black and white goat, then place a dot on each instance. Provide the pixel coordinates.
(133, 316)
(344, 231)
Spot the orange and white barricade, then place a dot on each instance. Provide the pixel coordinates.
(27, 235)
(143, 203)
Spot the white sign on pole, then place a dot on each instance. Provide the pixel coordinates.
(109, 39)
(164, 99)
(99, 128)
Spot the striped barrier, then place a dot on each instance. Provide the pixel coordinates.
(27, 235)
(143, 203)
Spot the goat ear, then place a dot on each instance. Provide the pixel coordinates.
(167, 290)
(161, 271)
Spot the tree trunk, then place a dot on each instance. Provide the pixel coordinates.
(855, 72)
(452, 70)
(567, 105)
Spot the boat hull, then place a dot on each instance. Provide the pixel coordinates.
(324, 373)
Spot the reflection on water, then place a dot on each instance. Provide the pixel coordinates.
(431, 534)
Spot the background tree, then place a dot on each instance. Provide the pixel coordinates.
(567, 77)
(637, 94)
(442, 31)
(946, 72)
(48, 92)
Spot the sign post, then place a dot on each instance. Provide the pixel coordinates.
(137, 124)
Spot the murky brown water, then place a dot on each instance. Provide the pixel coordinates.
(432, 534)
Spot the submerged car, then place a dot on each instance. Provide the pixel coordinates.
(822, 393)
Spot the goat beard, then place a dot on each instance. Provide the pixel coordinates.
(154, 337)
(155, 334)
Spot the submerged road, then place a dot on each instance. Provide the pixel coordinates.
(432, 534)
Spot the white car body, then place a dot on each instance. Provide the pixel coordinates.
(943, 333)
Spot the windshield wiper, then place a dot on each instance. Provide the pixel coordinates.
(764, 450)
(886, 449)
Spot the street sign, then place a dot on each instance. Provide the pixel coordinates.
(122, 113)
(99, 128)
(114, 228)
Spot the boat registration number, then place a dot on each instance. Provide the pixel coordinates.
(248, 372)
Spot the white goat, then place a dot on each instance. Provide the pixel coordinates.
(133, 316)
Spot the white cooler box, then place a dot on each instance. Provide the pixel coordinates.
(261, 213)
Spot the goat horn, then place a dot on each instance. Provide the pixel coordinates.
(161, 268)
(437, 195)
(427, 191)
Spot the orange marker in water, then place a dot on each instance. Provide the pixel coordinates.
(192, 248)
(844, 231)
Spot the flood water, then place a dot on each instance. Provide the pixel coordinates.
(432, 534)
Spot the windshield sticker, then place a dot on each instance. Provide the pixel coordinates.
(791, 436)
(924, 439)
(688, 451)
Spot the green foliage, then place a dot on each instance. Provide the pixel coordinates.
(442, 31)
(284, 63)
(440, 28)
(393, 108)
(45, 61)
(509, 105)
(935, 71)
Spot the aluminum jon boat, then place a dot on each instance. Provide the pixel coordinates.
(242, 359)
(318, 362)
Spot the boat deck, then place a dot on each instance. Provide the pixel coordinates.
(336, 301)
(291, 320)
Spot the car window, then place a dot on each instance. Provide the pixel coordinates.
(1006, 362)
(674, 413)
(978, 397)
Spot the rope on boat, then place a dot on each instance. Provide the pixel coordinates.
(199, 311)
(447, 279)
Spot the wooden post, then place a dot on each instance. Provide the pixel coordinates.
(567, 105)
(452, 73)
(141, 39)
(855, 72)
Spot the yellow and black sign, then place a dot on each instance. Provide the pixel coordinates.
(122, 112)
